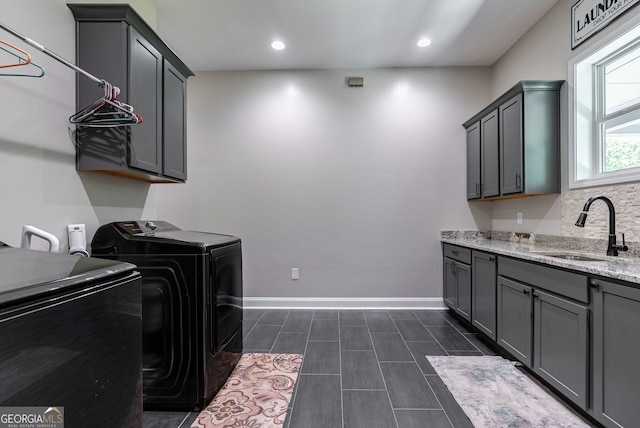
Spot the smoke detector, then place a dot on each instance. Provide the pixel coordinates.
(354, 81)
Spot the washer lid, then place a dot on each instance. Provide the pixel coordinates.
(200, 239)
(27, 273)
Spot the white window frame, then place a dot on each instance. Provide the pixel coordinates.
(584, 147)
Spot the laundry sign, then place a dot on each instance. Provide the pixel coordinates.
(590, 16)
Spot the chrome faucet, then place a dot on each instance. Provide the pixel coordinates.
(612, 247)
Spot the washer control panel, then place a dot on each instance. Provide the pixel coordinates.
(145, 227)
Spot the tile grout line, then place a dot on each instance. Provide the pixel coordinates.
(253, 326)
(340, 360)
(375, 352)
(424, 376)
(304, 353)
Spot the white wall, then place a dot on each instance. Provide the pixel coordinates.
(350, 185)
(38, 181)
(544, 53)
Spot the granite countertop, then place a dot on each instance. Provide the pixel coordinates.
(625, 267)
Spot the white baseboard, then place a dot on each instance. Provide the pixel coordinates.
(435, 303)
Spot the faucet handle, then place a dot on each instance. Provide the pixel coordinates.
(624, 247)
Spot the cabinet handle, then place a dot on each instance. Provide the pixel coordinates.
(477, 189)
(455, 252)
(525, 291)
(491, 258)
(595, 285)
(536, 296)
(518, 182)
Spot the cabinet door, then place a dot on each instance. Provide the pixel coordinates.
(174, 133)
(483, 294)
(450, 286)
(463, 281)
(616, 346)
(473, 161)
(511, 143)
(490, 155)
(560, 343)
(145, 92)
(514, 319)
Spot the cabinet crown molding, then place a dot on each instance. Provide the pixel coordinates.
(123, 12)
(522, 86)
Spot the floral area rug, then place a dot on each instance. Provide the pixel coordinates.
(494, 393)
(256, 395)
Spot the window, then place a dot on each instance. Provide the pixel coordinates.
(605, 107)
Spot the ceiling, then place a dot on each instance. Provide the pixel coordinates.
(237, 34)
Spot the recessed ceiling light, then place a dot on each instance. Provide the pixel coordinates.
(423, 43)
(277, 45)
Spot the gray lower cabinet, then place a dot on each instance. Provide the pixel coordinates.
(514, 317)
(457, 279)
(463, 280)
(115, 44)
(483, 292)
(547, 331)
(560, 345)
(580, 335)
(450, 283)
(457, 286)
(616, 346)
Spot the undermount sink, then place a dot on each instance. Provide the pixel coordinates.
(574, 257)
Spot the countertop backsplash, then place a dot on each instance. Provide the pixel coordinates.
(537, 248)
(567, 243)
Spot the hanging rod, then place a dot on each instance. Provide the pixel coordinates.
(52, 54)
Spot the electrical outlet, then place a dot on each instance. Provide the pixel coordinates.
(519, 217)
(295, 273)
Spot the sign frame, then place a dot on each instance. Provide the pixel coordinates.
(588, 17)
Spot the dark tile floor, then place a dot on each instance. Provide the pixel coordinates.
(361, 368)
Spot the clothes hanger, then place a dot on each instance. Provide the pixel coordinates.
(22, 62)
(106, 111)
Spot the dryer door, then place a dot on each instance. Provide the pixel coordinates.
(226, 282)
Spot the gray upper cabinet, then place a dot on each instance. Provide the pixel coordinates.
(115, 44)
(145, 88)
(473, 161)
(511, 147)
(483, 173)
(489, 143)
(616, 346)
(519, 143)
(174, 122)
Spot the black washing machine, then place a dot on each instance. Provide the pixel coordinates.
(191, 307)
